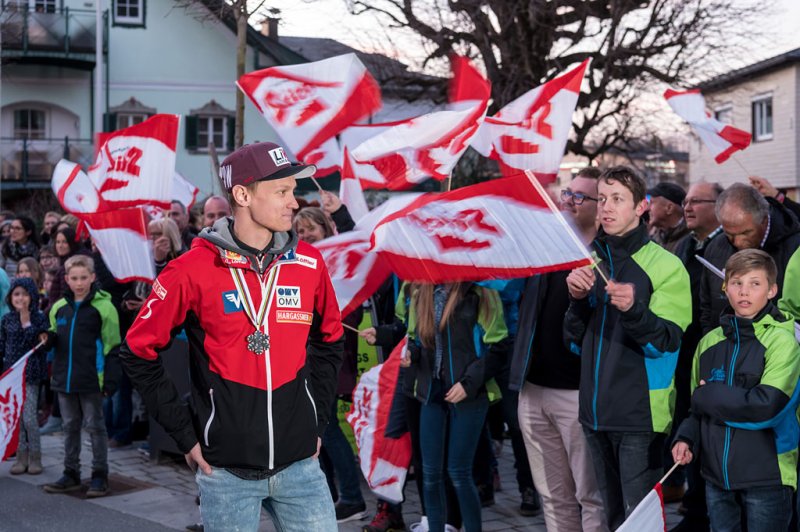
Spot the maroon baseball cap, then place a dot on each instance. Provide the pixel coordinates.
(260, 162)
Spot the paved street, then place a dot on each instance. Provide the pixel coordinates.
(155, 497)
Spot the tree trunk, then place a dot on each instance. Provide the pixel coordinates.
(241, 54)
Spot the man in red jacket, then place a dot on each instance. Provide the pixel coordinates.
(265, 345)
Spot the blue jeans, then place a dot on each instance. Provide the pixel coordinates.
(297, 498)
(766, 509)
(343, 460)
(627, 466)
(452, 431)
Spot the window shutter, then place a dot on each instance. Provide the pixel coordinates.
(109, 122)
(191, 133)
(231, 133)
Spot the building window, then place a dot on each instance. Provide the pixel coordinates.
(762, 118)
(129, 12)
(45, 6)
(211, 128)
(724, 114)
(129, 119)
(29, 123)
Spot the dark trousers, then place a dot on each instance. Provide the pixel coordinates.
(343, 460)
(118, 412)
(765, 509)
(627, 465)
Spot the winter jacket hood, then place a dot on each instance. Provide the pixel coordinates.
(220, 234)
(29, 287)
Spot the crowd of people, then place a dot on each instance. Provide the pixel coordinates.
(601, 377)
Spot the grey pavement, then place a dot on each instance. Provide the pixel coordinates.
(161, 496)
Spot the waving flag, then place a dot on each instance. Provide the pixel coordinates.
(384, 461)
(721, 139)
(12, 397)
(350, 191)
(184, 191)
(310, 103)
(531, 132)
(135, 165)
(327, 157)
(648, 515)
(410, 151)
(355, 272)
(498, 229)
(121, 237)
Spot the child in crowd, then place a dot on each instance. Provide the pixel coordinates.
(19, 333)
(84, 330)
(744, 409)
(29, 267)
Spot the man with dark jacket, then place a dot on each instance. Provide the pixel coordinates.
(627, 332)
(748, 221)
(265, 345)
(547, 376)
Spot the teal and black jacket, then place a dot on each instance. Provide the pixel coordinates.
(85, 336)
(628, 358)
(744, 418)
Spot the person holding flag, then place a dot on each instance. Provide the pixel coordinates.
(265, 346)
(628, 334)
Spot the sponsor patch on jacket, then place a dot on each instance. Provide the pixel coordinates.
(293, 316)
(288, 296)
(305, 260)
(159, 290)
(231, 301)
(231, 258)
(289, 255)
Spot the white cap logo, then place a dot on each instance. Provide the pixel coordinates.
(225, 172)
(278, 156)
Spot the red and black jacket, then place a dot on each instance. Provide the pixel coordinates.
(251, 411)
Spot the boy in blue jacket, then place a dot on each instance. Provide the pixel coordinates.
(744, 404)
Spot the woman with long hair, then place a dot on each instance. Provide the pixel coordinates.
(454, 331)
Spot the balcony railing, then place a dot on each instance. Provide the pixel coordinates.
(26, 162)
(63, 33)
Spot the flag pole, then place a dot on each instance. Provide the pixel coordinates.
(314, 179)
(540, 189)
(346, 326)
(672, 469)
(736, 160)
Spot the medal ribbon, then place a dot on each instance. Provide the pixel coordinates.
(256, 318)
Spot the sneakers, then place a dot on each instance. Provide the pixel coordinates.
(350, 512)
(98, 486)
(530, 503)
(53, 425)
(422, 526)
(69, 481)
(386, 520)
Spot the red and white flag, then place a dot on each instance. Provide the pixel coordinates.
(308, 104)
(350, 191)
(721, 139)
(135, 165)
(649, 515)
(356, 273)
(499, 229)
(327, 157)
(12, 397)
(121, 237)
(184, 191)
(531, 132)
(413, 150)
(384, 461)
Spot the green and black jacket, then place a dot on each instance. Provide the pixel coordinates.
(86, 339)
(628, 358)
(790, 302)
(744, 418)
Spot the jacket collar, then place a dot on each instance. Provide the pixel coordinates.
(733, 326)
(624, 245)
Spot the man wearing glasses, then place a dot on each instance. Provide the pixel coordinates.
(701, 220)
(547, 376)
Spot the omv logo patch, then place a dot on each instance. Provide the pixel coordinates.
(231, 302)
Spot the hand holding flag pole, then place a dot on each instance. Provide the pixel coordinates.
(346, 326)
(543, 193)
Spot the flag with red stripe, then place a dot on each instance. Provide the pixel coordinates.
(648, 515)
(531, 132)
(310, 103)
(499, 229)
(721, 139)
(12, 398)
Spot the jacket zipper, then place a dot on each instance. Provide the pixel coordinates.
(600, 344)
(731, 368)
(211, 417)
(268, 364)
(313, 404)
(71, 335)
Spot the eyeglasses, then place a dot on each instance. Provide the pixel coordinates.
(693, 202)
(577, 197)
(16, 227)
